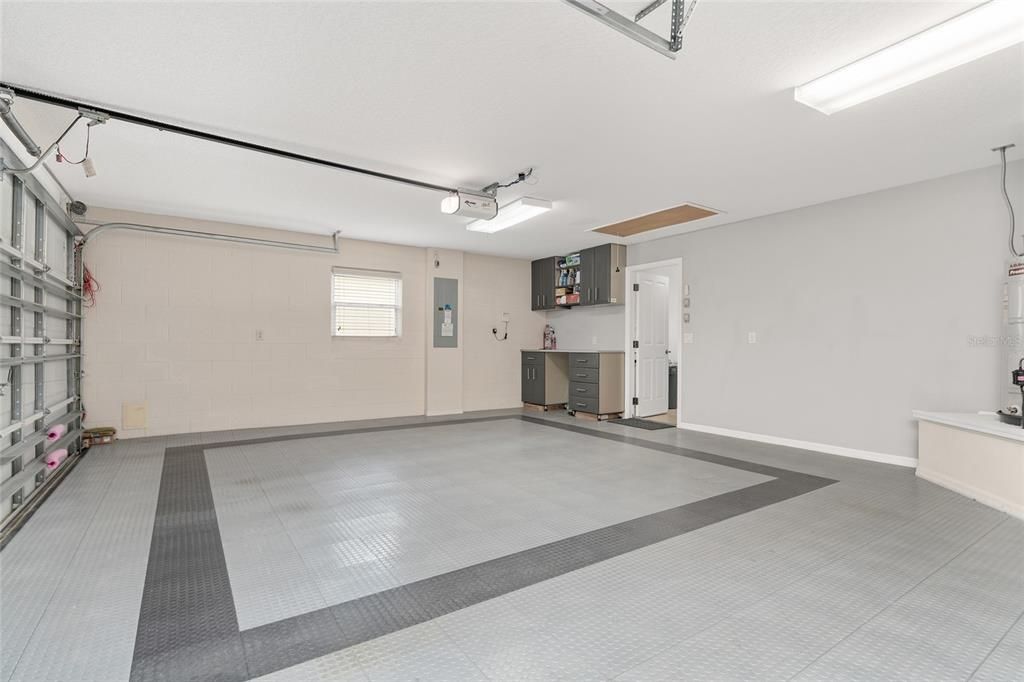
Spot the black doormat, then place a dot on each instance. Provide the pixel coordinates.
(641, 423)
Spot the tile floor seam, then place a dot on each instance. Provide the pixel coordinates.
(57, 583)
(803, 576)
(995, 646)
(899, 598)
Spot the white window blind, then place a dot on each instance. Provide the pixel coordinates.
(366, 302)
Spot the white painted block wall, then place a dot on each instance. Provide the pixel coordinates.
(175, 327)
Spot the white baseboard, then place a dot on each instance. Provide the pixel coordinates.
(982, 496)
(898, 460)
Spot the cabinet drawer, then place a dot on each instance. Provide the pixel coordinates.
(583, 360)
(578, 390)
(532, 358)
(584, 374)
(583, 404)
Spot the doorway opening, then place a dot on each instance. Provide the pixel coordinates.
(654, 333)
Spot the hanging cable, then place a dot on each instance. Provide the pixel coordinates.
(1009, 205)
(42, 157)
(493, 188)
(61, 157)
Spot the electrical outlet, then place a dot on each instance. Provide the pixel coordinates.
(259, 334)
(751, 337)
(686, 317)
(505, 317)
(593, 340)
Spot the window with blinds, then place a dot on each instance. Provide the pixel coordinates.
(366, 302)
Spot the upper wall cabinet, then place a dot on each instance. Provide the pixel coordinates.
(592, 276)
(543, 288)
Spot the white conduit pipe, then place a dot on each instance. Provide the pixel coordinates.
(216, 236)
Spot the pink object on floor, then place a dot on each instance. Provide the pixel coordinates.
(54, 459)
(56, 432)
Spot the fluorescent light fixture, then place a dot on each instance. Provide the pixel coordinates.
(990, 27)
(511, 214)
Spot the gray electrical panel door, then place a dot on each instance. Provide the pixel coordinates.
(446, 312)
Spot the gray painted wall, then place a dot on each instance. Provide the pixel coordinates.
(598, 327)
(864, 308)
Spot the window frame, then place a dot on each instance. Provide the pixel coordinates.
(365, 272)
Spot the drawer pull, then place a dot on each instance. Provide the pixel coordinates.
(581, 404)
(581, 361)
(581, 390)
(530, 357)
(582, 376)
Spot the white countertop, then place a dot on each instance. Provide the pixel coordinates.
(986, 423)
(571, 350)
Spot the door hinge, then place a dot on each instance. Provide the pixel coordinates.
(636, 344)
(636, 401)
(636, 287)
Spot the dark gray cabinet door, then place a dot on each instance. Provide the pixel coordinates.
(547, 283)
(602, 273)
(533, 383)
(587, 276)
(535, 286)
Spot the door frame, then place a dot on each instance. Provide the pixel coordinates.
(676, 264)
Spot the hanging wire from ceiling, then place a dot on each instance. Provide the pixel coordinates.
(1009, 204)
(62, 157)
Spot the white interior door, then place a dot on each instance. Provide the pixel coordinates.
(652, 347)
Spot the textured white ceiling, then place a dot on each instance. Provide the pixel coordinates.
(470, 92)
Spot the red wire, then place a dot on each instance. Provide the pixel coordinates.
(90, 287)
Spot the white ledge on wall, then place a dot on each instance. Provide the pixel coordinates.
(884, 458)
(975, 455)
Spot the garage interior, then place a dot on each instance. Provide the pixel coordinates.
(577, 340)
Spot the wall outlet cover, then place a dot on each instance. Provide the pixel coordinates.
(751, 337)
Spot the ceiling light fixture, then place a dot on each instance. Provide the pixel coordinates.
(518, 211)
(990, 27)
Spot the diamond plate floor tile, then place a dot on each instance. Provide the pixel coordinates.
(946, 626)
(421, 652)
(1006, 661)
(98, 597)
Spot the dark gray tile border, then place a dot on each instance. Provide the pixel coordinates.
(188, 628)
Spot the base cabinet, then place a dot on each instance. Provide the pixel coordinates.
(545, 378)
(596, 383)
(583, 382)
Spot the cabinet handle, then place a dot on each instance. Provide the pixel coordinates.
(581, 376)
(581, 404)
(597, 293)
(581, 390)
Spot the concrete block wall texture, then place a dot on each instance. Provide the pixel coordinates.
(866, 308)
(175, 327)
